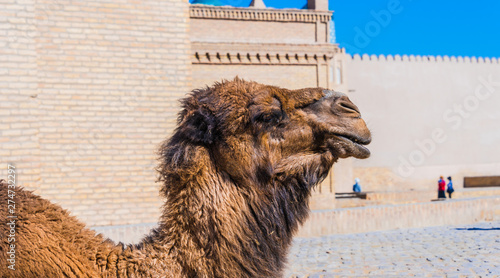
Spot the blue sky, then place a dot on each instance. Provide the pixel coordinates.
(419, 27)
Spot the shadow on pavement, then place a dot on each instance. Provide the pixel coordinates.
(478, 229)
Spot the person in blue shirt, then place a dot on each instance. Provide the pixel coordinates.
(450, 187)
(356, 187)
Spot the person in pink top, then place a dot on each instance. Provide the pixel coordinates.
(441, 188)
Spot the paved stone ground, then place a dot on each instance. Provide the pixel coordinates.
(448, 251)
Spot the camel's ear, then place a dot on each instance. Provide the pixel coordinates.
(199, 126)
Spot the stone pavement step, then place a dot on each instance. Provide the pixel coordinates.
(388, 217)
(444, 251)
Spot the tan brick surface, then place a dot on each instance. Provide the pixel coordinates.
(19, 115)
(91, 90)
(216, 30)
(291, 77)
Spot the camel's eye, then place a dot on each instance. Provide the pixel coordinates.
(273, 118)
(269, 113)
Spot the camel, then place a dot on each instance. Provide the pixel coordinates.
(236, 175)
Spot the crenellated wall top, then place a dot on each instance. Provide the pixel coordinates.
(424, 58)
(281, 15)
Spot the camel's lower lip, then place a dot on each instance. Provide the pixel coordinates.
(364, 152)
(350, 146)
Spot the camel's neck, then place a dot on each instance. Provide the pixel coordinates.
(215, 228)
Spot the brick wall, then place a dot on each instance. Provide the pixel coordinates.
(19, 124)
(250, 25)
(216, 30)
(92, 90)
(291, 77)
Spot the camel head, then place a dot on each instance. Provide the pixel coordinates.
(257, 133)
(239, 170)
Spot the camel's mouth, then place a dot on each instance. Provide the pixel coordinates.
(346, 145)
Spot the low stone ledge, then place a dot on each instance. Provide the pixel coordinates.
(128, 234)
(362, 219)
(388, 217)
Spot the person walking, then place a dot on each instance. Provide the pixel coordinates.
(441, 188)
(450, 189)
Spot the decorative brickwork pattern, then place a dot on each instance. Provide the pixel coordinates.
(220, 53)
(202, 11)
(265, 58)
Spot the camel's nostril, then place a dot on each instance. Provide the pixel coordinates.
(348, 107)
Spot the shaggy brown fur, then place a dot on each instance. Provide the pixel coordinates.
(237, 175)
